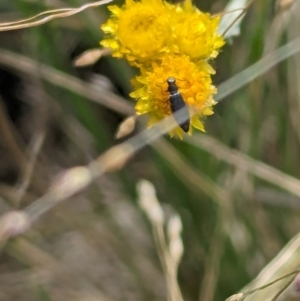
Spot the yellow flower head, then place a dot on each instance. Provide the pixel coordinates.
(193, 82)
(166, 40)
(139, 31)
(195, 33)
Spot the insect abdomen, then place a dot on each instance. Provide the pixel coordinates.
(177, 103)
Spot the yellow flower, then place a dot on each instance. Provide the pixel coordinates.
(194, 84)
(139, 31)
(195, 33)
(166, 40)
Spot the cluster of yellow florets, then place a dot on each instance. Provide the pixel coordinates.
(166, 40)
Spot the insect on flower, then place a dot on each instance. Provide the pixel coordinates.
(177, 103)
(169, 42)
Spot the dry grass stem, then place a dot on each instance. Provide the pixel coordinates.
(169, 256)
(24, 183)
(53, 14)
(243, 12)
(244, 162)
(65, 81)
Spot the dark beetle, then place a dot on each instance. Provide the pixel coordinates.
(177, 102)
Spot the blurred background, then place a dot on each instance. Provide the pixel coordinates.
(234, 187)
